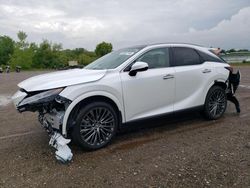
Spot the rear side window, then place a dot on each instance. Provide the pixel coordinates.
(185, 56)
(207, 57)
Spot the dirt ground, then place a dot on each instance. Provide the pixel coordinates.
(180, 151)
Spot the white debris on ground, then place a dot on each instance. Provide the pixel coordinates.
(63, 153)
(5, 100)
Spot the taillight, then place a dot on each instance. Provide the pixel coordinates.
(229, 68)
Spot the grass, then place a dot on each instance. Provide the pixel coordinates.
(240, 64)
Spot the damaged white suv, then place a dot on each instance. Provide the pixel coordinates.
(90, 104)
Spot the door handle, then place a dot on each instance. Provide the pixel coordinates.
(168, 76)
(206, 71)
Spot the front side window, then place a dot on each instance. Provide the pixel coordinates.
(185, 56)
(113, 59)
(156, 58)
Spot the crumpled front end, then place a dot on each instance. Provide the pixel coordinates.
(49, 105)
(51, 108)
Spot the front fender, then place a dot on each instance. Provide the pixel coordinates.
(84, 96)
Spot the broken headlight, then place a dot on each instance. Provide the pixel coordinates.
(40, 98)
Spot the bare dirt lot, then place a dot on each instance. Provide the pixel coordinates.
(181, 151)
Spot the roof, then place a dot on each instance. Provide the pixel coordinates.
(167, 43)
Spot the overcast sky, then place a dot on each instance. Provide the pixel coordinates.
(84, 23)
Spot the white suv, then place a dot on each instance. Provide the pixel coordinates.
(90, 104)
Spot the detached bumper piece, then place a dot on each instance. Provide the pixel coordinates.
(63, 153)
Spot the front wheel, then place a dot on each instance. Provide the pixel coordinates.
(216, 103)
(96, 125)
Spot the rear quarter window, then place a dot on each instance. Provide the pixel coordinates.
(207, 57)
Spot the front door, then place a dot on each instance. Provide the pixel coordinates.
(150, 92)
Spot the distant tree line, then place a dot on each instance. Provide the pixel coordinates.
(45, 55)
(233, 51)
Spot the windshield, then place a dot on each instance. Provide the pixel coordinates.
(113, 59)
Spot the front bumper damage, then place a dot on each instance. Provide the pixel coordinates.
(51, 111)
(63, 152)
(51, 122)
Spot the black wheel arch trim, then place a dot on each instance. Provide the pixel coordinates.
(72, 117)
(220, 83)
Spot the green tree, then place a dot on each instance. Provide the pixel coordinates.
(231, 50)
(23, 58)
(103, 48)
(22, 36)
(78, 51)
(56, 47)
(23, 52)
(48, 55)
(84, 59)
(6, 49)
(243, 50)
(222, 51)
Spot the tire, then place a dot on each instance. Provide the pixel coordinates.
(96, 125)
(215, 103)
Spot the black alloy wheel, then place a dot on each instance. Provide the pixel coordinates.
(96, 125)
(216, 103)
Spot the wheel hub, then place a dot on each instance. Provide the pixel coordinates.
(97, 126)
(217, 103)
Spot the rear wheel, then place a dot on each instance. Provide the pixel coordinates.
(216, 103)
(96, 125)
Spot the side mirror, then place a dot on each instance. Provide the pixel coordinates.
(138, 66)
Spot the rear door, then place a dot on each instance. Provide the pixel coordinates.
(191, 76)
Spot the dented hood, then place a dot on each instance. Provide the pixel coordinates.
(61, 79)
